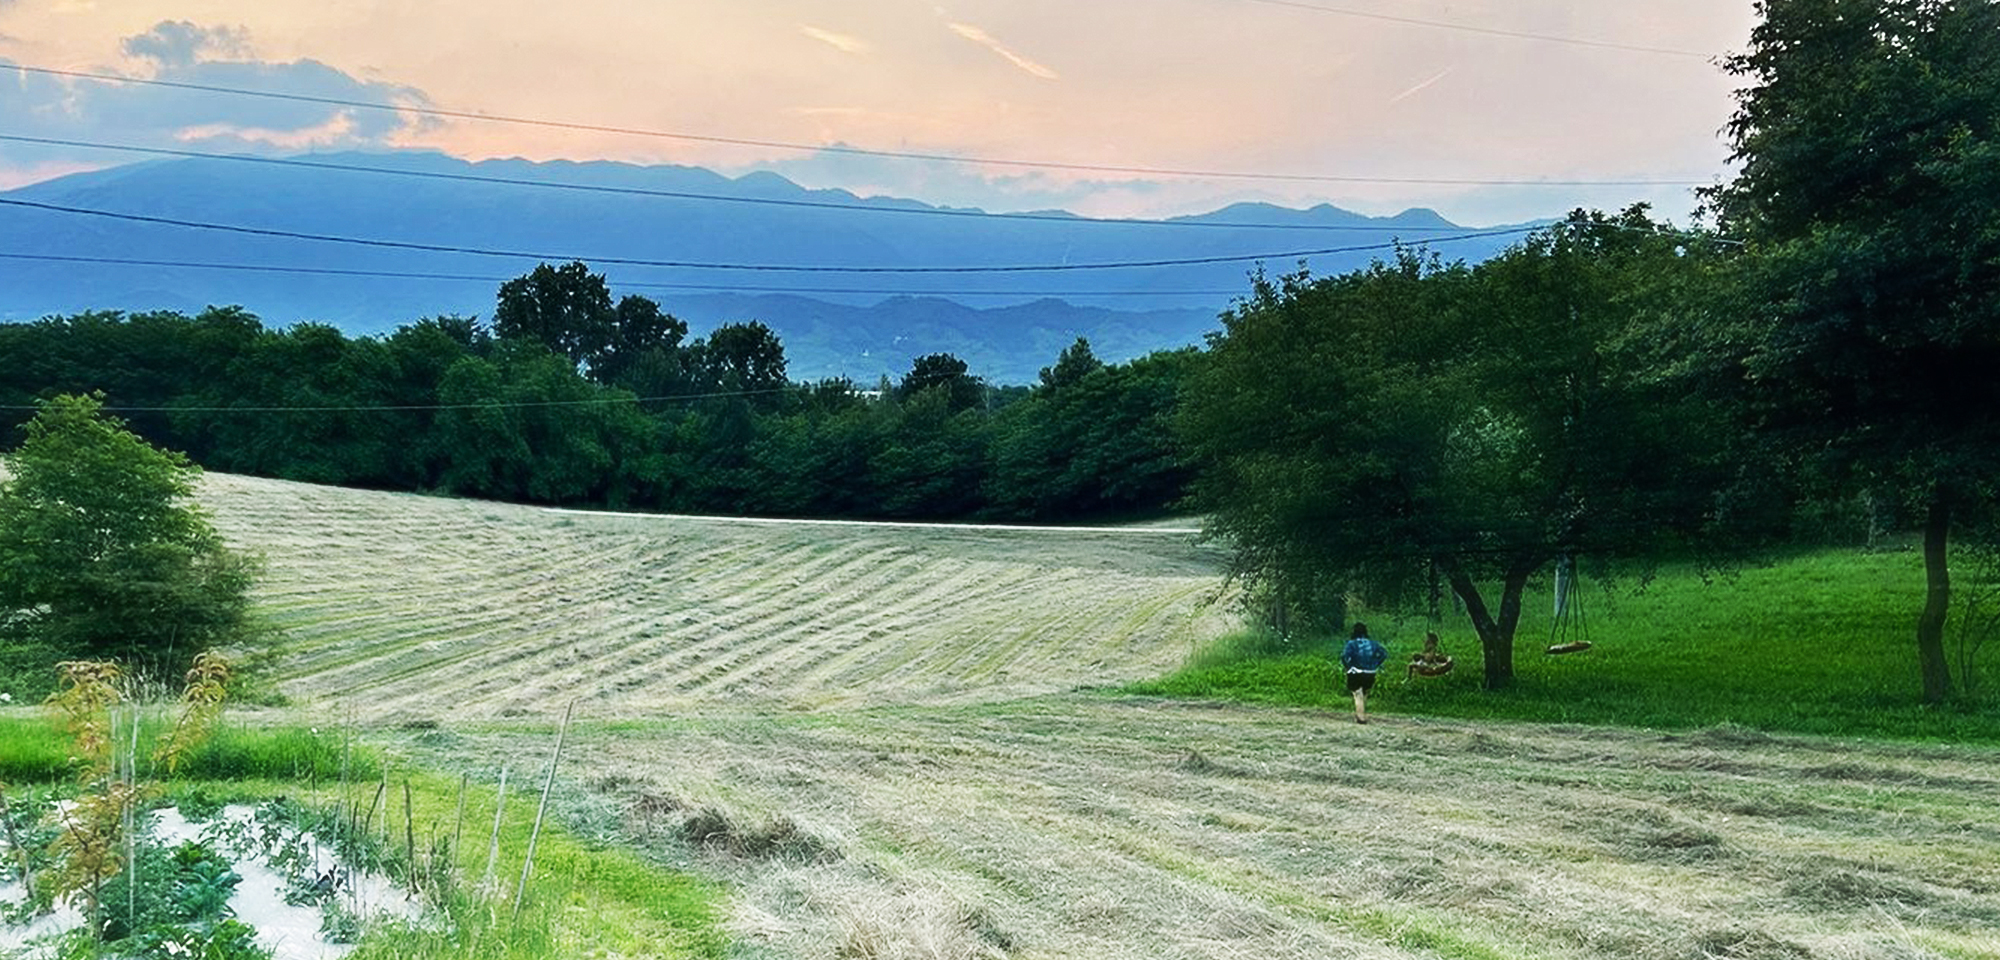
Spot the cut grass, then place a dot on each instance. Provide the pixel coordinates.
(1127, 828)
(1819, 643)
(398, 607)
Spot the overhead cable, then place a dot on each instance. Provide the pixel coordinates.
(717, 287)
(420, 110)
(413, 407)
(756, 267)
(1062, 218)
(1487, 31)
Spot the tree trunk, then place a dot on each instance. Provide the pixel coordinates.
(1496, 635)
(1937, 601)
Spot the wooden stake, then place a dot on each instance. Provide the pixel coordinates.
(458, 829)
(547, 786)
(410, 836)
(14, 841)
(130, 822)
(493, 843)
(368, 822)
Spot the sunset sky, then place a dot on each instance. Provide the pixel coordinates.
(1626, 90)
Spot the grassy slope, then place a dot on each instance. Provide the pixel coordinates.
(1816, 643)
(399, 606)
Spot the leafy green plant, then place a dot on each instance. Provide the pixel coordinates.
(201, 706)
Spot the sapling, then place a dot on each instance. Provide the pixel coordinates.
(85, 853)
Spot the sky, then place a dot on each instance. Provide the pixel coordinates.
(1325, 101)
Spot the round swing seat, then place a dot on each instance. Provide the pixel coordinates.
(1431, 669)
(1577, 646)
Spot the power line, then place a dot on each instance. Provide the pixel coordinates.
(470, 278)
(689, 195)
(817, 148)
(1486, 31)
(756, 267)
(413, 407)
(932, 211)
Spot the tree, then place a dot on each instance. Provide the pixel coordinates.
(102, 554)
(1416, 424)
(942, 371)
(743, 358)
(1869, 195)
(639, 329)
(1075, 363)
(930, 459)
(1101, 441)
(524, 425)
(567, 309)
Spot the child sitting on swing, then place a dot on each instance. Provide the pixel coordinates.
(1430, 661)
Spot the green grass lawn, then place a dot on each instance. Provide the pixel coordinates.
(1820, 642)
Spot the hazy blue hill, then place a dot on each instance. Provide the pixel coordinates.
(1005, 323)
(1007, 344)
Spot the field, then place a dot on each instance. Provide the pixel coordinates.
(898, 743)
(401, 607)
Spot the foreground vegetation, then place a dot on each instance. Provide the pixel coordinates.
(582, 899)
(1799, 644)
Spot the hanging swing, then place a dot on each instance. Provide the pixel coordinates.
(1431, 661)
(1569, 633)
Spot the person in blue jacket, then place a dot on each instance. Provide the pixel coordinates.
(1363, 658)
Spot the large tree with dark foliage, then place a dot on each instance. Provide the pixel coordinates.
(1415, 425)
(942, 372)
(1869, 138)
(566, 309)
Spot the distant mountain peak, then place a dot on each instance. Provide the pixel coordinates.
(1324, 214)
(1420, 217)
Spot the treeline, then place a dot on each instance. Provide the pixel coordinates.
(569, 397)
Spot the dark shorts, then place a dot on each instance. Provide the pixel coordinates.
(1360, 681)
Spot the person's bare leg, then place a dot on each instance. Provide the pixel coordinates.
(1360, 706)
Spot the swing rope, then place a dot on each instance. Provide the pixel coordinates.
(1569, 632)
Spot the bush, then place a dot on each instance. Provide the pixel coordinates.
(103, 554)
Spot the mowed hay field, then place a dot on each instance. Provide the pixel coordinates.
(399, 606)
(1127, 828)
(875, 736)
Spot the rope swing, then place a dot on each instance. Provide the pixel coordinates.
(1432, 661)
(1570, 632)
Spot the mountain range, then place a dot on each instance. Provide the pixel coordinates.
(863, 319)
